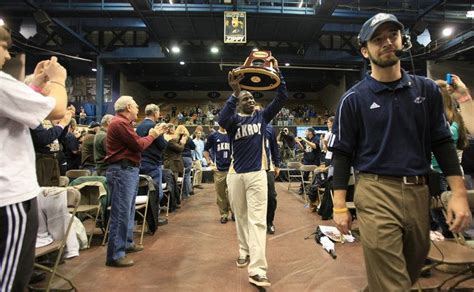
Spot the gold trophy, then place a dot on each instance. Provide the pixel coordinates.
(258, 71)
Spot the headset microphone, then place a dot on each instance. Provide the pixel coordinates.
(399, 53)
(406, 42)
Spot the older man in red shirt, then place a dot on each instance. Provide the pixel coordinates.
(124, 149)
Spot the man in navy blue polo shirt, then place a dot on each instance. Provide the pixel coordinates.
(152, 157)
(386, 126)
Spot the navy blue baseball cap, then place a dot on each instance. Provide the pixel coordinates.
(371, 25)
(93, 125)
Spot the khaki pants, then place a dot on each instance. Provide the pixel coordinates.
(47, 171)
(197, 178)
(222, 198)
(394, 226)
(248, 199)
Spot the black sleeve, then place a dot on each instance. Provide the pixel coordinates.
(63, 134)
(42, 137)
(445, 154)
(342, 169)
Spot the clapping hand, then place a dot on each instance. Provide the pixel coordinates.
(161, 128)
(39, 76)
(54, 71)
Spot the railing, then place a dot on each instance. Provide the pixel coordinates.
(253, 6)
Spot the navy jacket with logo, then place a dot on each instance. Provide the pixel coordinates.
(390, 131)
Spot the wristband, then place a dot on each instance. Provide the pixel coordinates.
(36, 88)
(59, 83)
(339, 210)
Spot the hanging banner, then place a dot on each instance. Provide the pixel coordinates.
(235, 27)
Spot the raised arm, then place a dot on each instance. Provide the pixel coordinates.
(282, 95)
(228, 116)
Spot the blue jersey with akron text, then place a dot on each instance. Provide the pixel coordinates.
(247, 132)
(218, 145)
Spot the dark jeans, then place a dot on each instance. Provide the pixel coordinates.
(437, 216)
(187, 184)
(18, 229)
(123, 187)
(169, 179)
(272, 201)
(156, 173)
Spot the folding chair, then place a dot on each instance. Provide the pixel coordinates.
(72, 174)
(73, 199)
(302, 170)
(292, 167)
(91, 204)
(167, 195)
(180, 183)
(141, 202)
(453, 252)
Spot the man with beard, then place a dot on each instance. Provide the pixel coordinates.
(386, 126)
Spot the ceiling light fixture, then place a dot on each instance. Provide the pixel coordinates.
(175, 49)
(182, 63)
(447, 31)
(470, 14)
(94, 70)
(287, 64)
(214, 50)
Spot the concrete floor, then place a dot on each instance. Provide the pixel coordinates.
(194, 252)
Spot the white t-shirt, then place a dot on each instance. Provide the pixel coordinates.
(21, 109)
(326, 138)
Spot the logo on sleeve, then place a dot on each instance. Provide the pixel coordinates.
(419, 99)
(374, 106)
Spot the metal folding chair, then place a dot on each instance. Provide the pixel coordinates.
(293, 172)
(73, 199)
(455, 252)
(72, 174)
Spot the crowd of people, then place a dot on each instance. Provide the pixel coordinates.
(391, 150)
(199, 115)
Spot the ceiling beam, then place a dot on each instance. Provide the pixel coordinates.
(428, 9)
(463, 42)
(66, 28)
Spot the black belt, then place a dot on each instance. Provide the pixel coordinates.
(124, 163)
(127, 163)
(407, 180)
